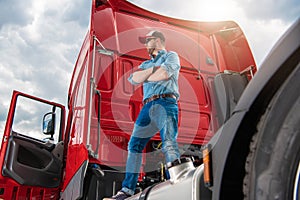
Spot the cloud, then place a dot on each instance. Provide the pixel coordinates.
(39, 44)
(15, 12)
(46, 43)
(270, 9)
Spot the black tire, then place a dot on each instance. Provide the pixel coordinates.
(272, 167)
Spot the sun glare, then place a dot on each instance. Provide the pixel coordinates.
(216, 10)
(202, 10)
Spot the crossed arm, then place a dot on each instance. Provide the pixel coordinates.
(141, 76)
(157, 73)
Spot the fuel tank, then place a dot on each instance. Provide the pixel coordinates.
(185, 183)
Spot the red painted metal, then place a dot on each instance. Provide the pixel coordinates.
(205, 49)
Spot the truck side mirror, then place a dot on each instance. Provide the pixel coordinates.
(49, 124)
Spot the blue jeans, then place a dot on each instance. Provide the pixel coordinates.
(158, 115)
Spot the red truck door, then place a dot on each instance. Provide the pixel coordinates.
(32, 149)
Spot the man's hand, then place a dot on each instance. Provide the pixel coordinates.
(159, 74)
(141, 76)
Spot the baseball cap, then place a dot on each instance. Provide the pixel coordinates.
(152, 34)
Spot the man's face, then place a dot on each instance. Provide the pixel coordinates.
(150, 44)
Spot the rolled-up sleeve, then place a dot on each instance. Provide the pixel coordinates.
(131, 81)
(171, 63)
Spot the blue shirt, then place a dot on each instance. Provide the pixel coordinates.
(168, 61)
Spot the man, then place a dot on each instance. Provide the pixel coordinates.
(159, 77)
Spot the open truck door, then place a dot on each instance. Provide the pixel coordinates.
(31, 158)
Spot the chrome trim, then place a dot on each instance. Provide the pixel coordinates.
(296, 184)
(92, 86)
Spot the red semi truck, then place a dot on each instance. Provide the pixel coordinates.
(238, 128)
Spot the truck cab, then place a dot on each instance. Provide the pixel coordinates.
(83, 154)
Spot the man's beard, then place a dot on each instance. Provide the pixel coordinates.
(151, 50)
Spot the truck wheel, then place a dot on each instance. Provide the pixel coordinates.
(272, 166)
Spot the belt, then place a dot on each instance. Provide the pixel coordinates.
(158, 96)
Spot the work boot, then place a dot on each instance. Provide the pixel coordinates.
(119, 196)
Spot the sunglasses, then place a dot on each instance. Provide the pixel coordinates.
(149, 39)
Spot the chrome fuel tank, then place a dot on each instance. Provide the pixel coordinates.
(185, 183)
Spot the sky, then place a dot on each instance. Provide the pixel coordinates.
(40, 40)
